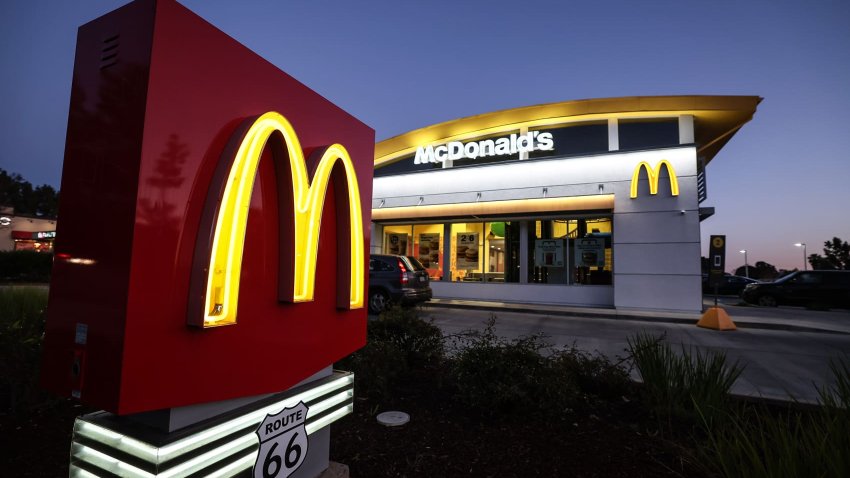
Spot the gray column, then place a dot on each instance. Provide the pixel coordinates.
(523, 252)
(686, 129)
(447, 249)
(613, 135)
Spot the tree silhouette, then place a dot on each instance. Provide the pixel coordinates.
(18, 193)
(836, 256)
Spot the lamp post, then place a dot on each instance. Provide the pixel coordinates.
(746, 264)
(805, 256)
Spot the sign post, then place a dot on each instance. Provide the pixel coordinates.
(716, 317)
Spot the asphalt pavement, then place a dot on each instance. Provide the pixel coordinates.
(786, 351)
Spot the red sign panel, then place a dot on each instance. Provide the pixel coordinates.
(161, 103)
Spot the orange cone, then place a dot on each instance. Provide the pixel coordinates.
(717, 319)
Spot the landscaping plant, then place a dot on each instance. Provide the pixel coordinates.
(682, 389)
(761, 442)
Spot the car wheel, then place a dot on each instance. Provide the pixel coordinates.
(378, 301)
(767, 301)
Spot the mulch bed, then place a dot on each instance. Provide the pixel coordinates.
(605, 439)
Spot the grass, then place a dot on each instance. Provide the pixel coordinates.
(22, 316)
(762, 443)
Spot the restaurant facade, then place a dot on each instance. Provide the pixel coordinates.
(588, 203)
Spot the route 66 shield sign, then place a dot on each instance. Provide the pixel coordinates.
(283, 443)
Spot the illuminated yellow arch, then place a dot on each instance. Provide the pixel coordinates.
(225, 260)
(653, 175)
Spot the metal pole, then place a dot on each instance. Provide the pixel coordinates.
(803, 245)
(746, 264)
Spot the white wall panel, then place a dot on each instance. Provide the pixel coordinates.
(658, 292)
(660, 258)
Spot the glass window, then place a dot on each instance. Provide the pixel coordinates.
(397, 240)
(571, 251)
(467, 251)
(648, 133)
(577, 139)
(428, 248)
(405, 166)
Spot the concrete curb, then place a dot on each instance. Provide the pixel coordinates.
(611, 314)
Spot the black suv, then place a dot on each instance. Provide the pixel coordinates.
(400, 279)
(809, 288)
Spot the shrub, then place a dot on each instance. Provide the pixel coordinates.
(25, 266)
(398, 343)
(22, 316)
(594, 374)
(683, 389)
(419, 340)
(493, 375)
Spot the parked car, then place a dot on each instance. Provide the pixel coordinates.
(809, 288)
(396, 279)
(731, 285)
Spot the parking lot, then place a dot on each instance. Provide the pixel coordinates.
(785, 350)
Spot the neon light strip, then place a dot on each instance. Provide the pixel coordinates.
(235, 467)
(225, 264)
(77, 472)
(507, 206)
(108, 463)
(153, 454)
(330, 418)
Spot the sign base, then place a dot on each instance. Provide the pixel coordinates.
(104, 444)
(717, 319)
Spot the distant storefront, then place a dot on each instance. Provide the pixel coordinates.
(592, 202)
(24, 233)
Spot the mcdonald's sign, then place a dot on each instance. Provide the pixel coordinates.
(653, 175)
(236, 201)
(221, 236)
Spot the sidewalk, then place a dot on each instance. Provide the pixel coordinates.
(746, 317)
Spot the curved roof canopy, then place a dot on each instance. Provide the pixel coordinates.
(716, 120)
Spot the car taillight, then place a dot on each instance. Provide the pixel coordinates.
(403, 272)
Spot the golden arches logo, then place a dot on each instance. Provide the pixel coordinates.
(218, 256)
(653, 175)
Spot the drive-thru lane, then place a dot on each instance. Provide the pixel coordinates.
(781, 363)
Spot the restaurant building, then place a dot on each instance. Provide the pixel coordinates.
(588, 203)
(25, 233)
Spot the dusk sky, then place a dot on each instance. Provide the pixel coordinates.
(401, 65)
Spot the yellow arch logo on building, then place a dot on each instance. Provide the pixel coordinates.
(228, 240)
(653, 175)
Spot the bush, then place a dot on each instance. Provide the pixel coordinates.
(420, 341)
(760, 442)
(25, 266)
(594, 374)
(684, 389)
(493, 375)
(398, 343)
(22, 317)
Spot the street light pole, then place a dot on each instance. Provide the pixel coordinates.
(746, 264)
(805, 256)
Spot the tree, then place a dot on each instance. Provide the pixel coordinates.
(19, 194)
(760, 270)
(836, 255)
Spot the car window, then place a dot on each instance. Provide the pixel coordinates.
(412, 264)
(810, 278)
(379, 265)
